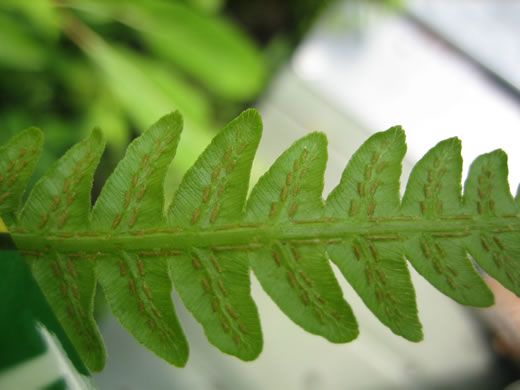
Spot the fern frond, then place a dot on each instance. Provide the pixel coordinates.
(211, 235)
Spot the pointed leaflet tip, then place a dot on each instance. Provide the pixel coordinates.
(97, 134)
(33, 132)
(434, 183)
(252, 115)
(487, 180)
(132, 196)
(213, 191)
(17, 161)
(294, 188)
(66, 184)
(369, 186)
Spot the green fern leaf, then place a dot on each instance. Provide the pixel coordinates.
(58, 208)
(488, 199)
(211, 236)
(213, 281)
(296, 274)
(434, 192)
(373, 263)
(136, 282)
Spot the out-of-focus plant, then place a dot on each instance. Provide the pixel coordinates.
(70, 65)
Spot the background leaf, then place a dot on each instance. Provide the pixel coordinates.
(202, 46)
(161, 92)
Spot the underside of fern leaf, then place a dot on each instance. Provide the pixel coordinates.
(212, 235)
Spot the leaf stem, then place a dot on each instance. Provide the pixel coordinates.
(250, 237)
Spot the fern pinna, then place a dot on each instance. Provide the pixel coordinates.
(210, 235)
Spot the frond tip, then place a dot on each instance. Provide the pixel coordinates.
(211, 235)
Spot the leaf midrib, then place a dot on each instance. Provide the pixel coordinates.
(254, 236)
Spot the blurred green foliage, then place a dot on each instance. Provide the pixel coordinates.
(67, 66)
